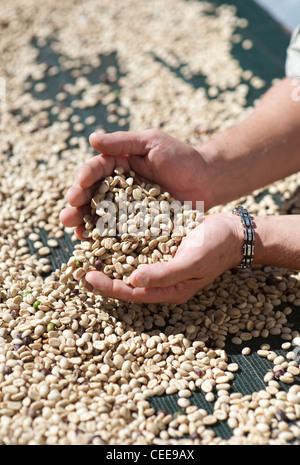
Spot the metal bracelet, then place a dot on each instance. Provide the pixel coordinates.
(249, 235)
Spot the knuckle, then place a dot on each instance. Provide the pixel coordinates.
(154, 133)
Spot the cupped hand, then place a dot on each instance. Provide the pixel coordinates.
(210, 249)
(183, 172)
(154, 156)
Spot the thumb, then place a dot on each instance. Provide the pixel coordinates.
(161, 274)
(121, 143)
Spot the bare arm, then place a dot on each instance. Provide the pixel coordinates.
(277, 241)
(260, 150)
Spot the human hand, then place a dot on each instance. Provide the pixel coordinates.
(210, 249)
(155, 156)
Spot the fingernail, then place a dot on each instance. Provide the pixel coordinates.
(141, 280)
(93, 136)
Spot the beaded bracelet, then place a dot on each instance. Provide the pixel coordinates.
(249, 236)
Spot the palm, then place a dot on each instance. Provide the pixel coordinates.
(172, 171)
(177, 167)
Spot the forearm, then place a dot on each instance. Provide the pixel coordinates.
(277, 241)
(262, 149)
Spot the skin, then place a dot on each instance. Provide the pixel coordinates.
(250, 155)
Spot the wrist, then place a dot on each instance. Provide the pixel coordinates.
(232, 237)
(232, 164)
(218, 175)
(269, 245)
(262, 242)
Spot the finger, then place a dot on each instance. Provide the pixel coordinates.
(79, 230)
(117, 289)
(122, 142)
(72, 216)
(93, 170)
(175, 294)
(77, 196)
(162, 274)
(114, 288)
